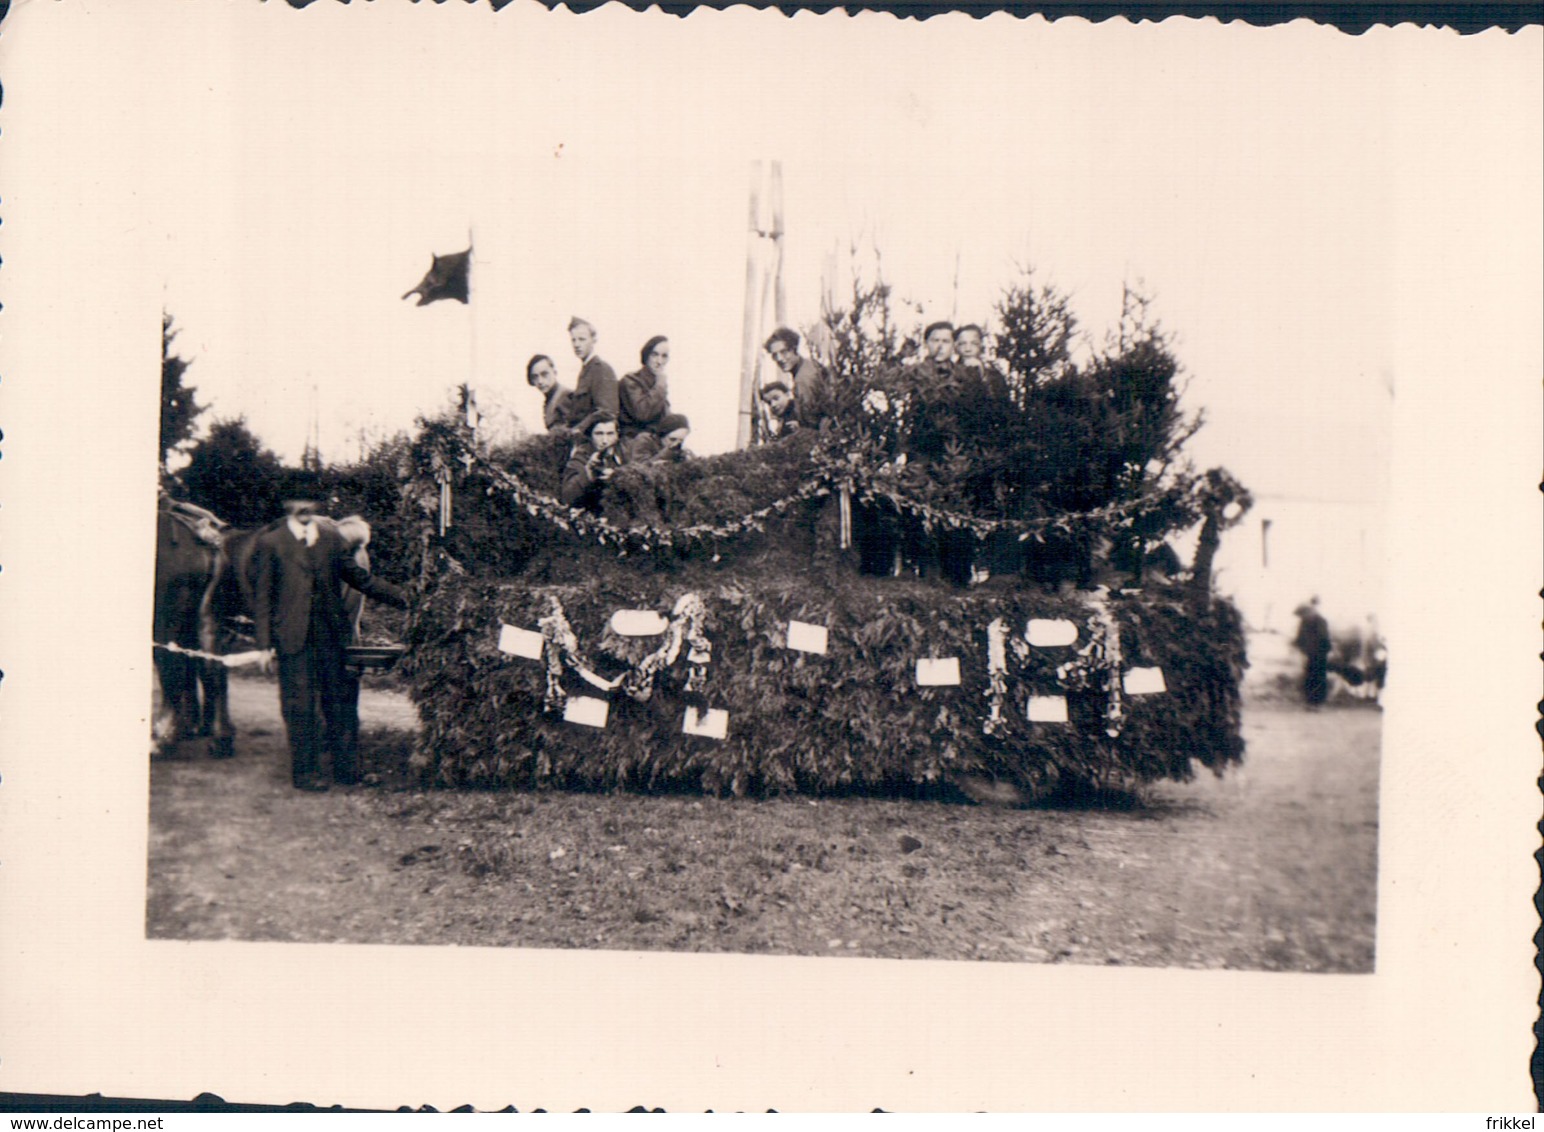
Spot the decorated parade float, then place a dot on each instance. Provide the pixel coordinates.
(968, 584)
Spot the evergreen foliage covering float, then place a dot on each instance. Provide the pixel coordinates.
(1062, 480)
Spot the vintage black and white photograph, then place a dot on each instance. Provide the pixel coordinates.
(954, 546)
(859, 491)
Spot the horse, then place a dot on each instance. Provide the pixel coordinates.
(186, 538)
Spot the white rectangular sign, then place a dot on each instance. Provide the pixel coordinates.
(586, 710)
(1049, 634)
(711, 724)
(638, 623)
(1143, 681)
(806, 637)
(938, 671)
(519, 642)
(1046, 709)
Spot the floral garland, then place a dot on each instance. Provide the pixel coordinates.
(870, 485)
(541, 505)
(686, 621)
(560, 646)
(997, 676)
(846, 475)
(1099, 660)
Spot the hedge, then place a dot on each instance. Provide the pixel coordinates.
(851, 719)
(854, 719)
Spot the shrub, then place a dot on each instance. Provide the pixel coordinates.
(853, 719)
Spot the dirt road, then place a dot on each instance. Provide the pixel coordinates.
(1272, 868)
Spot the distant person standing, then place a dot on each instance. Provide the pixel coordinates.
(557, 399)
(596, 389)
(1313, 641)
(810, 385)
(1375, 660)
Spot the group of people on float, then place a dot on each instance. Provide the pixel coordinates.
(630, 420)
(618, 421)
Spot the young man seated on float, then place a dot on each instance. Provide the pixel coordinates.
(558, 406)
(782, 409)
(593, 462)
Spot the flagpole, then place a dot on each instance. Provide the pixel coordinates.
(748, 333)
(780, 296)
(471, 334)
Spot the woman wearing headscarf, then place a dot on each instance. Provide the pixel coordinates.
(649, 428)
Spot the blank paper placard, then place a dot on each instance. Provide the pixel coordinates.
(519, 642)
(806, 637)
(638, 623)
(936, 671)
(1144, 681)
(711, 724)
(1046, 709)
(1050, 634)
(586, 710)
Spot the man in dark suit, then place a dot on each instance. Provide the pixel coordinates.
(301, 565)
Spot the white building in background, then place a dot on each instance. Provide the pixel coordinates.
(1289, 549)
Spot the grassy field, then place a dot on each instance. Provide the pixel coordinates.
(1273, 867)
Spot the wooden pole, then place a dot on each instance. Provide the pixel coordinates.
(748, 342)
(772, 309)
(821, 343)
(780, 300)
(954, 306)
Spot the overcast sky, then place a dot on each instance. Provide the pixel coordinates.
(1253, 182)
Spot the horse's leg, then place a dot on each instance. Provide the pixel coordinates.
(164, 727)
(179, 686)
(217, 719)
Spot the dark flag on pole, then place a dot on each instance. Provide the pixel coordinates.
(448, 277)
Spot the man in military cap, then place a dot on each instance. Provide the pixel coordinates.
(596, 389)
